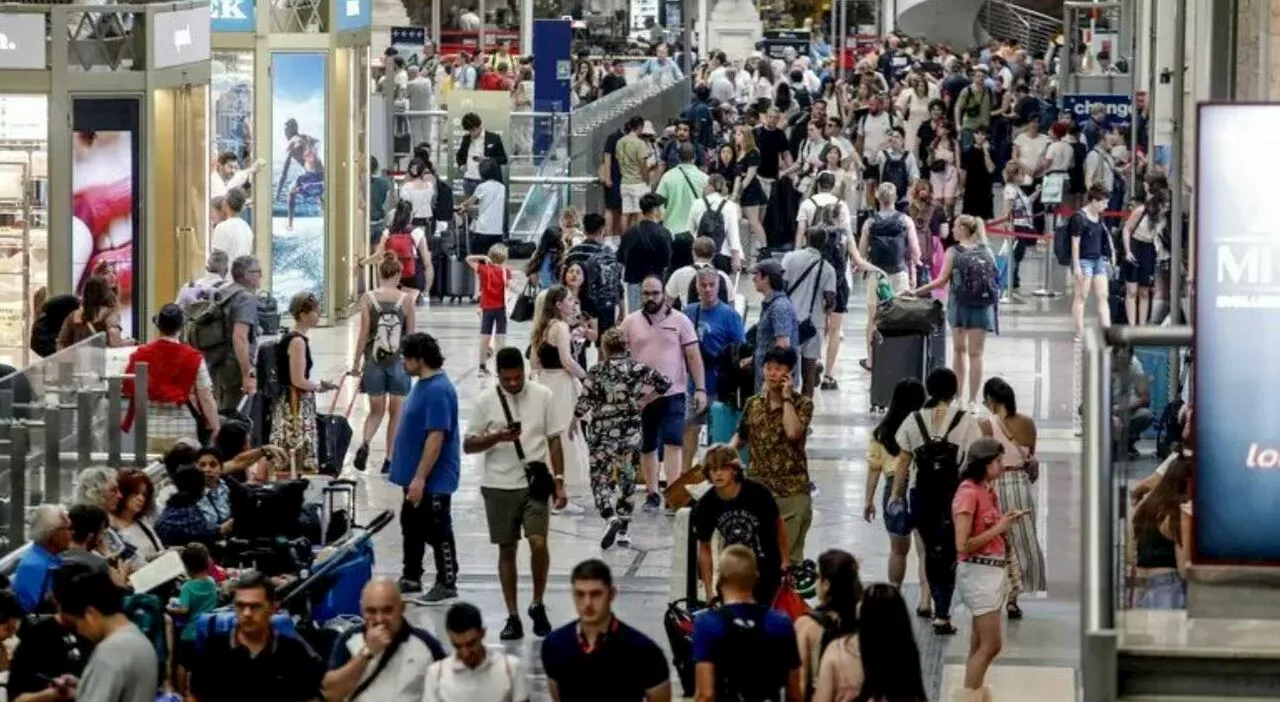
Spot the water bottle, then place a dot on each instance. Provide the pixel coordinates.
(894, 509)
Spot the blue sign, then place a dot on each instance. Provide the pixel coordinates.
(232, 15)
(354, 14)
(412, 36)
(552, 76)
(1119, 109)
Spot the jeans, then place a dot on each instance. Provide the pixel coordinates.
(430, 522)
(1166, 591)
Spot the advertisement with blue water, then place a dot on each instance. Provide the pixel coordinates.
(297, 175)
(1237, 332)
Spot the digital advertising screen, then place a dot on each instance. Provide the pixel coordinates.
(1237, 330)
(104, 199)
(297, 174)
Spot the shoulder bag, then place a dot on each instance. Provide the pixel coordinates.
(541, 485)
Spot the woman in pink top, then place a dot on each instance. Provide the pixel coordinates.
(980, 549)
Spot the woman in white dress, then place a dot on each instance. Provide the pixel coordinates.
(556, 366)
(913, 106)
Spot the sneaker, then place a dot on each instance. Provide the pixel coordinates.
(541, 625)
(652, 503)
(570, 510)
(829, 383)
(386, 466)
(439, 593)
(611, 534)
(513, 630)
(410, 586)
(362, 458)
(624, 538)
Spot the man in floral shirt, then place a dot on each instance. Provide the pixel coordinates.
(774, 427)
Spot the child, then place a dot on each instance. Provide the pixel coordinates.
(492, 278)
(198, 595)
(613, 393)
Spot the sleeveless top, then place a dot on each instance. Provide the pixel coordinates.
(549, 357)
(1013, 453)
(283, 376)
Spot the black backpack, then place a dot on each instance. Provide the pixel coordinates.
(937, 466)
(887, 248)
(745, 670)
(712, 223)
(894, 170)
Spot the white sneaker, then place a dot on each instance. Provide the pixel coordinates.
(570, 510)
(623, 540)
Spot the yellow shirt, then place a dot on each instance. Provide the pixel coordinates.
(878, 459)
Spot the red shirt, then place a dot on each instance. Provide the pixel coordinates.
(492, 80)
(980, 501)
(493, 286)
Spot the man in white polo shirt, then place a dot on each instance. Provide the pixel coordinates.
(516, 433)
(473, 673)
(357, 669)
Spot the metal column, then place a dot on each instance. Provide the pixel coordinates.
(19, 438)
(1177, 180)
(140, 375)
(1098, 586)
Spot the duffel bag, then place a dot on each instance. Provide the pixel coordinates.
(908, 315)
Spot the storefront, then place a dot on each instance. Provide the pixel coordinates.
(130, 86)
(290, 86)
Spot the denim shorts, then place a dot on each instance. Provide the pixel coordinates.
(388, 378)
(1165, 591)
(1094, 267)
(900, 524)
(662, 423)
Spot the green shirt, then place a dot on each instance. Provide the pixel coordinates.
(379, 189)
(633, 155)
(198, 595)
(681, 186)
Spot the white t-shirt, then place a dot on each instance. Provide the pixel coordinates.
(499, 677)
(234, 237)
(491, 199)
(533, 409)
(731, 215)
(475, 154)
(874, 130)
(968, 429)
(1030, 151)
(422, 195)
(1061, 156)
(809, 209)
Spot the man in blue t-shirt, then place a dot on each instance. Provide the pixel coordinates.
(743, 645)
(426, 461)
(719, 328)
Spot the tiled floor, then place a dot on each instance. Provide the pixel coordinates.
(1033, 352)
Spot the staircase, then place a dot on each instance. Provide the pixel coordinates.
(1004, 20)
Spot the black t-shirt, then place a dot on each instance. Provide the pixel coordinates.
(750, 519)
(645, 250)
(612, 82)
(625, 662)
(286, 671)
(771, 143)
(611, 148)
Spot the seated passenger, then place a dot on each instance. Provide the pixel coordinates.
(216, 503)
(183, 521)
(357, 671)
(88, 539)
(133, 516)
(50, 537)
(100, 486)
(1130, 399)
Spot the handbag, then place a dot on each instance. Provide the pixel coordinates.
(536, 473)
(522, 310)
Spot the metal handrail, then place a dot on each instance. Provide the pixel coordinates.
(554, 180)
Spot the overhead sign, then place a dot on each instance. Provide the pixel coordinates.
(1119, 108)
(777, 41)
(354, 14)
(22, 41)
(179, 38)
(233, 15)
(1236, 491)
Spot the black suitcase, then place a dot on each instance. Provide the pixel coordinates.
(259, 411)
(334, 434)
(938, 348)
(895, 358)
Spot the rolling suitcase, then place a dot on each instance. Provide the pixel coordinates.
(895, 358)
(333, 433)
(461, 280)
(268, 390)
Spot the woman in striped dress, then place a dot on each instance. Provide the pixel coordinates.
(1017, 434)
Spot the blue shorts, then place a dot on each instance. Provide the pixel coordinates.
(971, 317)
(1095, 267)
(662, 423)
(389, 378)
(493, 321)
(902, 523)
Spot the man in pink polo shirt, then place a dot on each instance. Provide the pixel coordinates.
(665, 341)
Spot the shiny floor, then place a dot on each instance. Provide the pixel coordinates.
(1033, 352)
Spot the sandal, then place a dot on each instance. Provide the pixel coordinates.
(1013, 611)
(924, 612)
(943, 628)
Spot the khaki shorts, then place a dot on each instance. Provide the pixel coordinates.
(899, 281)
(509, 511)
(228, 384)
(631, 195)
(797, 514)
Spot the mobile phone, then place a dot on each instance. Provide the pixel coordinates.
(514, 426)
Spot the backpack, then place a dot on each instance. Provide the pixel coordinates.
(937, 464)
(745, 671)
(894, 170)
(209, 327)
(887, 248)
(386, 330)
(712, 223)
(604, 273)
(401, 244)
(976, 284)
(801, 97)
(147, 613)
(54, 311)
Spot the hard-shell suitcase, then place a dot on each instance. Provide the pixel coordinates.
(895, 358)
(334, 433)
(461, 282)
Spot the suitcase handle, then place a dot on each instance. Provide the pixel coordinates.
(337, 393)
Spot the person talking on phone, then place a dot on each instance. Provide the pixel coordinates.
(980, 559)
(514, 428)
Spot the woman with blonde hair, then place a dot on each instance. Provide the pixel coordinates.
(386, 317)
(969, 271)
(554, 362)
(748, 192)
(571, 227)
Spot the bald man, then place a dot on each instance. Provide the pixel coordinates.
(357, 671)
